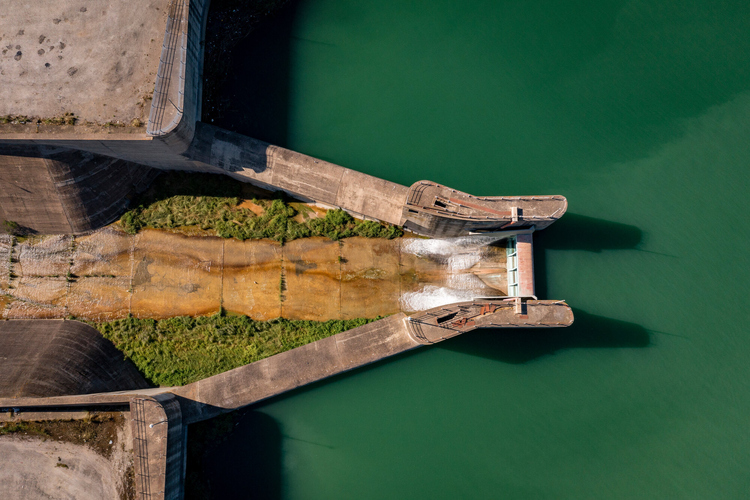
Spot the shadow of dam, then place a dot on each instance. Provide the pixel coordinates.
(518, 345)
(580, 232)
(237, 455)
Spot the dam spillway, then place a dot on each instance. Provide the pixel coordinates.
(158, 274)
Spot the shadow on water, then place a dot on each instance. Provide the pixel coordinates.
(234, 456)
(252, 90)
(518, 345)
(239, 455)
(579, 232)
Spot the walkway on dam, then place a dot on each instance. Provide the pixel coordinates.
(157, 274)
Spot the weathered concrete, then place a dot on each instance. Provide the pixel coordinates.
(303, 176)
(55, 358)
(358, 347)
(56, 190)
(439, 211)
(157, 274)
(159, 442)
(327, 357)
(96, 60)
(176, 106)
(425, 208)
(159, 421)
(289, 370)
(442, 323)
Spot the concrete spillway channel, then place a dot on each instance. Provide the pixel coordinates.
(157, 274)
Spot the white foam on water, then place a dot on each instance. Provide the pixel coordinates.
(459, 255)
(446, 247)
(432, 296)
(462, 261)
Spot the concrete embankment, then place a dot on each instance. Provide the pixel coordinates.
(358, 347)
(324, 358)
(296, 368)
(52, 190)
(57, 358)
(159, 445)
(159, 420)
(309, 178)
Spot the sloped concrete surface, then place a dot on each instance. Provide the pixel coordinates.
(56, 358)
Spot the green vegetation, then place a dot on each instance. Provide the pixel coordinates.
(98, 431)
(210, 202)
(181, 350)
(64, 119)
(12, 227)
(22, 428)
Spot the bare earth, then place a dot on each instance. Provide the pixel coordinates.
(29, 469)
(95, 59)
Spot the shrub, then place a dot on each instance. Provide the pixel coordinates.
(181, 350)
(213, 205)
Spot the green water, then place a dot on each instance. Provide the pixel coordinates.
(639, 113)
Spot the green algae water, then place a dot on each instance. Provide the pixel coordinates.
(639, 113)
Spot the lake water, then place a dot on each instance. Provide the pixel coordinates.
(639, 113)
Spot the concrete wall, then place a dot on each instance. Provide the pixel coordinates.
(159, 445)
(303, 176)
(292, 369)
(55, 358)
(52, 190)
(179, 90)
(440, 211)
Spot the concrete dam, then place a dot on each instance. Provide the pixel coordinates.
(465, 264)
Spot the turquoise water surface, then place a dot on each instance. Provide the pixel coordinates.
(639, 113)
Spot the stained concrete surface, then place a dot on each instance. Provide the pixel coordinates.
(158, 274)
(29, 469)
(175, 275)
(95, 59)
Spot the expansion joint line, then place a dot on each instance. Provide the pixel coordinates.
(221, 293)
(69, 277)
(341, 273)
(282, 283)
(400, 284)
(132, 277)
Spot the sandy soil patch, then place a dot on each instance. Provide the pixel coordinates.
(33, 467)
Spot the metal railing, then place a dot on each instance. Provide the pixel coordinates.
(140, 449)
(175, 39)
